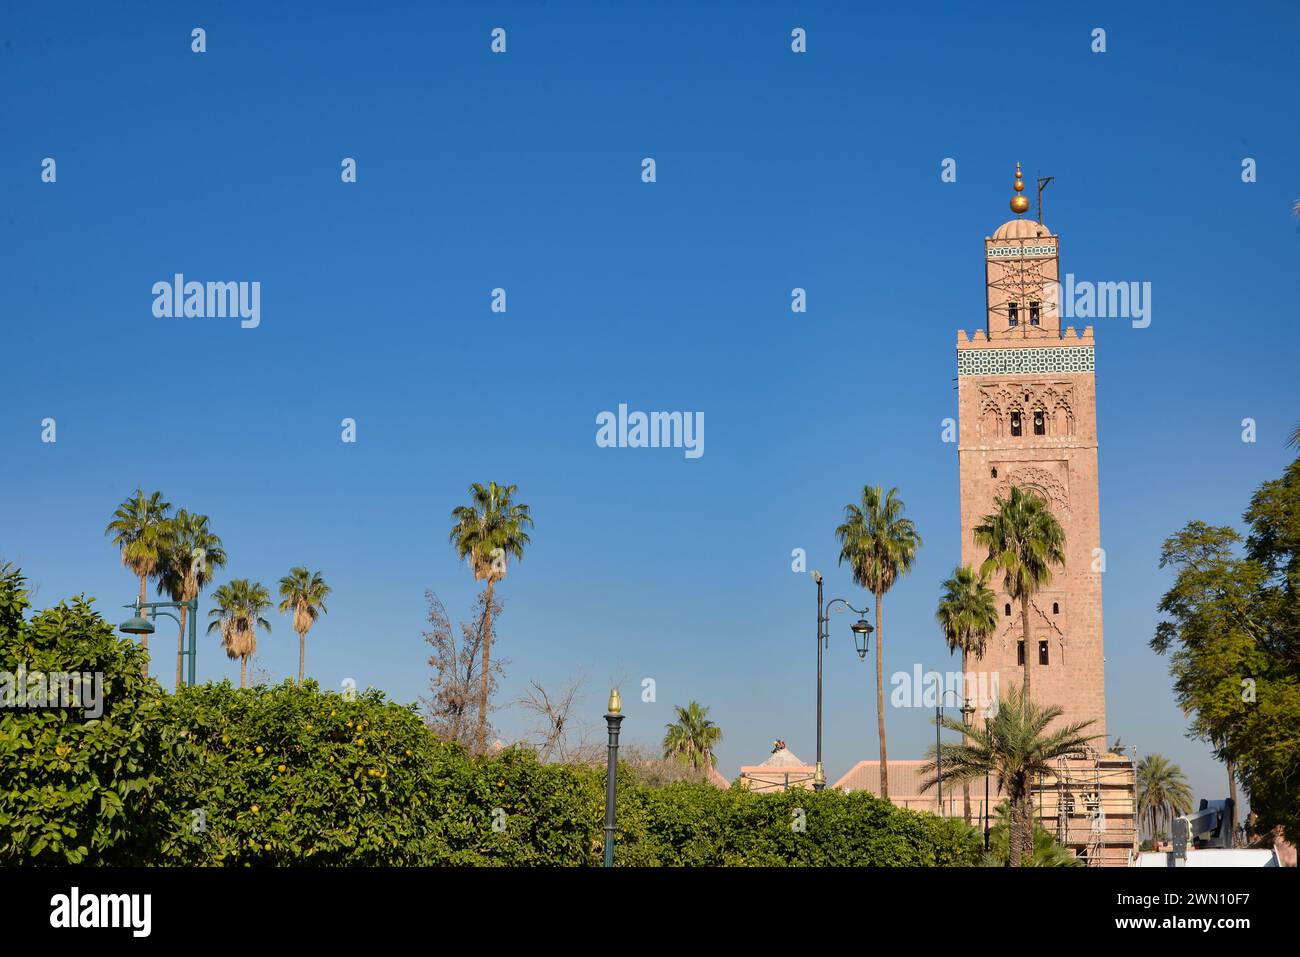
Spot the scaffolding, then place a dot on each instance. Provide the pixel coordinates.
(1088, 801)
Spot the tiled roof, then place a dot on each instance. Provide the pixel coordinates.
(905, 779)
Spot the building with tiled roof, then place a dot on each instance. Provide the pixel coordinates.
(782, 771)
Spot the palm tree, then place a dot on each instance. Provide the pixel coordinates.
(968, 615)
(1024, 541)
(1047, 853)
(303, 593)
(190, 554)
(487, 532)
(139, 529)
(1016, 747)
(237, 615)
(692, 737)
(1162, 792)
(880, 546)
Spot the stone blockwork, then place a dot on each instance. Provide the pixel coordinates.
(1032, 379)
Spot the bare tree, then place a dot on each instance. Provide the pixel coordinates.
(552, 740)
(452, 707)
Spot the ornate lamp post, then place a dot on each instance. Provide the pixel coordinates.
(613, 719)
(861, 636)
(938, 752)
(139, 625)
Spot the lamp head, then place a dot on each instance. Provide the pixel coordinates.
(137, 626)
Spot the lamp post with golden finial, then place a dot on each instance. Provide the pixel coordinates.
(1019, 202)
(613, 719)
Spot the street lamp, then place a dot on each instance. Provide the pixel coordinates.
(938, 753)
(139, 625)
(613, 719)
(861, 638)
(136, 625)
(986, 795)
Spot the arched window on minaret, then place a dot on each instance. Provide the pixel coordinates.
(1017, 427)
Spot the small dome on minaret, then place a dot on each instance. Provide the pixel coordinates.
(1021, 229)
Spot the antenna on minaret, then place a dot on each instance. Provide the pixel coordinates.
(1042, 185)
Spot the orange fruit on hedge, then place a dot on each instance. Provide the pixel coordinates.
(255, 809)
(259, 749)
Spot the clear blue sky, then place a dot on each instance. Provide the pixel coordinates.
(775, 170)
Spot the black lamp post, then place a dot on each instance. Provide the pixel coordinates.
(986, 796)
(938, 752)
(862, 637)
(613, 719)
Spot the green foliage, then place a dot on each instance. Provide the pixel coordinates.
(77, 791)
(967, 612)
(287, 773)
(1015, 746)
(491, 529)
(1024, 541)
(1047, 853)
(687, 824)
(877, 542)
(691, 738)
(1162, 793)
(215, 775)
(1232, 633)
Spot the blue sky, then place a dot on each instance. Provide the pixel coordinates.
(522, 171)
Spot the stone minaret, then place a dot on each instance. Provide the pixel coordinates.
(1027, 405)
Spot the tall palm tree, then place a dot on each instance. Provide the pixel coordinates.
(1024, 541)
(139, 529)
(1162, 792)
(880, 546)
(189, 555)
(968, 615)
(303, 592)
(692, 737)
(237, 616)
(1016, 746)
(488, 532)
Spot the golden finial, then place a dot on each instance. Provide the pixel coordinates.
(615, 702)
(1019, 203)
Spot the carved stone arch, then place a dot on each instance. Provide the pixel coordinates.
(1043, 483)
(1062, 416)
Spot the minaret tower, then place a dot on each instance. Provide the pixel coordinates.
(1027, 406)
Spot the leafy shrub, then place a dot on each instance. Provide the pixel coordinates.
(215, 775)
(74, 790)
(282, 774)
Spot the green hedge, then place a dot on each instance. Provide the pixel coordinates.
(75, 790)
(214, 775)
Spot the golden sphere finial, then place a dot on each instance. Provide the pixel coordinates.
(1019, 203)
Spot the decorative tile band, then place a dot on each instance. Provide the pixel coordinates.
(1005, 361)
(1020, 252)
